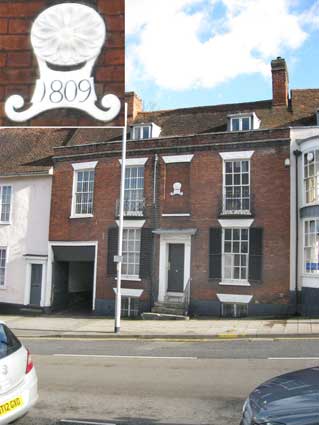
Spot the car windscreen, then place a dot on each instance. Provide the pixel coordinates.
(9, 343)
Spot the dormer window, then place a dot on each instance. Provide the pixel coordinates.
(240, 124)
(243, 122)
(142, 132)
(145, 131)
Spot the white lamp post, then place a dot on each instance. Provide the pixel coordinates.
(119, 257)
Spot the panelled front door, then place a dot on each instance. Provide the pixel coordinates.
(176, 255)
(36, 283)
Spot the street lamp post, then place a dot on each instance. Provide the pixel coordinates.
(119, 257)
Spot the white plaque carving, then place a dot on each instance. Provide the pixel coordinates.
(71, 36)
(177, 187)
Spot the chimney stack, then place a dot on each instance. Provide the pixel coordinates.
(280, 82)
(134, 105)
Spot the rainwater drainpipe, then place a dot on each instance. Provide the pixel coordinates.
(155, 224)
(155, 177)
(297, 154)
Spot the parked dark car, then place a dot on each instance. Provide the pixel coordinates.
(290, 399)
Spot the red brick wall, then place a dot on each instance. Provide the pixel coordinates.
(270, 185)
(19, 70)
(106, 192)
(271, 188)
(176, 172)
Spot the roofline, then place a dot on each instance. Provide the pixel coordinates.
(171, 137)
(221, 106)
(303, 127)
(160, 149)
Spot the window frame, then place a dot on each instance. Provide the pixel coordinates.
(232, 281)
(241, 186)
(131, 311)
(240, 118)
(137, 210)
(140, 129)
(4, 285)
(82, 167)
(10, 205)
(316, 175)
(314, 273)
(235, 307)
(135, 276)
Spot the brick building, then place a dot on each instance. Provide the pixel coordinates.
(220, 216)
(207, 207)
(19, 68)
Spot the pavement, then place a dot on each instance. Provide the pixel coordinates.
(208, 328)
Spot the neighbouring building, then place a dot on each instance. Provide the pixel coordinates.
(26, 173)
(304, 257)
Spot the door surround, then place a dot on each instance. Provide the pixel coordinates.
(165, 240)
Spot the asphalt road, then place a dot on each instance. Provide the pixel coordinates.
(156, 383)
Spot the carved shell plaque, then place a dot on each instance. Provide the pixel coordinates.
(68, 34)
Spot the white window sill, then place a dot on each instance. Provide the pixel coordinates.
(236, 212)
(5, 223)
(81, 216)
(133, 278)
(2, 287)
(234, 283)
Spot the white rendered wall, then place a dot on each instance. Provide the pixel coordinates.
(27, 234)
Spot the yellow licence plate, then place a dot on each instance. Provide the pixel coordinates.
(13, 404)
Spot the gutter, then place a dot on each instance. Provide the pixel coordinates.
(31, 174)
(297, 154)
(172, 148)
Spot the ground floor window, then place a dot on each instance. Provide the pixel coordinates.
(131, 252)
(311, 246)
(129, 307)
(234, 310)
(3, 261)
(235, 254)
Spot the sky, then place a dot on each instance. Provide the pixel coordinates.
(184, 53)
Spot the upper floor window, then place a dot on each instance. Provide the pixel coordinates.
(236, 196)
(311, 176)
(243, 122)
(311, 246)
(142, 132)
(134, 189)
(236, 186)
(134, 201)
(145, 131)
(5, 203)
(3, 261)
(240, 124)
(83, 189)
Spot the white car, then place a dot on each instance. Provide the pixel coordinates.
(18, 378)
